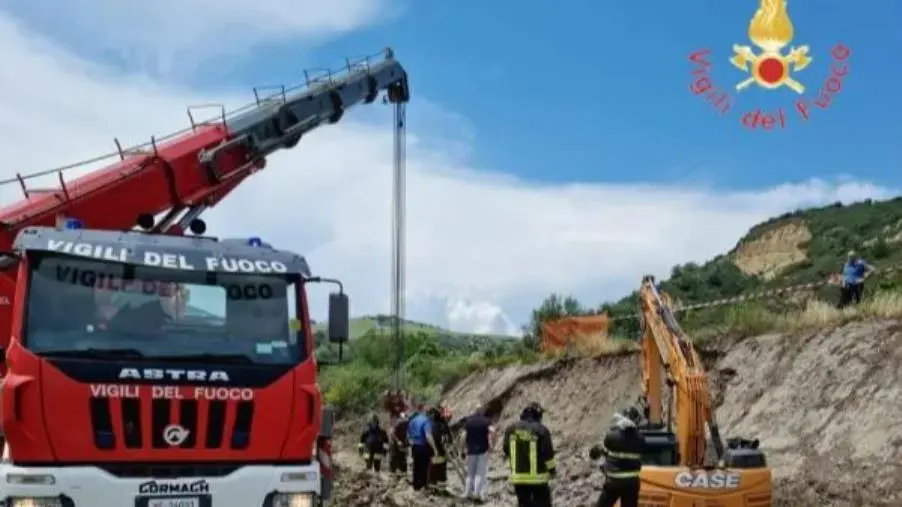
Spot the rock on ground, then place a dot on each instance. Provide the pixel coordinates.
(827, 406)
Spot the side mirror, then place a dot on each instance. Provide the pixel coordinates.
(8, 260)
(339, 318)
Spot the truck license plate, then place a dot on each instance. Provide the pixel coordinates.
(176, 501)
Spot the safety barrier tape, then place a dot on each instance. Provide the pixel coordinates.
(802, 287)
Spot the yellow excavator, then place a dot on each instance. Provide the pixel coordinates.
(679, 468)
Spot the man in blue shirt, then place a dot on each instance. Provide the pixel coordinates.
(422, 447)
(854, 272)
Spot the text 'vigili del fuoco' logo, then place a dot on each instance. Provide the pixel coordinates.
(772, 68)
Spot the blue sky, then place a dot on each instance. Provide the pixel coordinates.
(552, 149)
(599, 91)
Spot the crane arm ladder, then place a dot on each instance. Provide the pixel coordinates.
(193, 166)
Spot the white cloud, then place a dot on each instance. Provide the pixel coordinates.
(482, 248)
(479, 317)
(172, 36)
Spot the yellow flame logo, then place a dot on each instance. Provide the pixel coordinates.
(771, 30)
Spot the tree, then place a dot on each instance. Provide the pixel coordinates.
(554, 307)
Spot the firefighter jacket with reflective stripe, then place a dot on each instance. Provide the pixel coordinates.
(373, 440)
(441, 434)
(622, 451)
(530, 453)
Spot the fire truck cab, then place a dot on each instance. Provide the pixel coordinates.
(152, 370)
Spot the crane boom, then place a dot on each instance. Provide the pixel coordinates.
(189, 171)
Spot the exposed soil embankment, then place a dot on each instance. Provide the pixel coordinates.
(827, 406)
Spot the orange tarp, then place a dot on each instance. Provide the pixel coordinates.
(560, 333)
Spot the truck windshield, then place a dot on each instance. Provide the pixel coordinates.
(84, 307)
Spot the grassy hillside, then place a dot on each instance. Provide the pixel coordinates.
(872, 228)
(379, 327)
(370, 324)
(432, 357)
(800, 247)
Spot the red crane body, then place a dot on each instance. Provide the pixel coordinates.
(50, 403)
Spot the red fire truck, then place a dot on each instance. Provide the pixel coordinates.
(149, 365)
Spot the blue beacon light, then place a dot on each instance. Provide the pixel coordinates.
(255, 241)
(72, 224)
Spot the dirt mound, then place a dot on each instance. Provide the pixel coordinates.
(826, 405)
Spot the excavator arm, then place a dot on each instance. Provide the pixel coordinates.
(739, 476)
(185, 173)
(669, 358)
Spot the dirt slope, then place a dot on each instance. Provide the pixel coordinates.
(827, 406)
(773, 251)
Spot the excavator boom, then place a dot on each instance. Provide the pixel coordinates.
(677, 471)
(667, 349)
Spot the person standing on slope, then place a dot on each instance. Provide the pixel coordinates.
(530, 454)
(854, 272)
(373, 444)
(422, 447)
(622, 452)
(479, 438)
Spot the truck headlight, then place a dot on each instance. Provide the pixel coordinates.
(36, 502)
(291, 500)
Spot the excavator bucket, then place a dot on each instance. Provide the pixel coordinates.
(581, 333)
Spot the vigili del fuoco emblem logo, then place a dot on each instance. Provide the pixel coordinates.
(771, 66)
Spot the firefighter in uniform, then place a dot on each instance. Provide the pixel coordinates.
(397, 447)
(530, 453)
(441, 435)
(622, 452)
(373, 444)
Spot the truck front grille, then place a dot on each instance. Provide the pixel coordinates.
(167, 470)
(135, 423)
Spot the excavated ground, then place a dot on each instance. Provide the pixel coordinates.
(827, 406)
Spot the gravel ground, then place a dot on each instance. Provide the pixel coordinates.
(826, 405)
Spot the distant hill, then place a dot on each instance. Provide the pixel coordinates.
(798, 247)
(378, 327)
